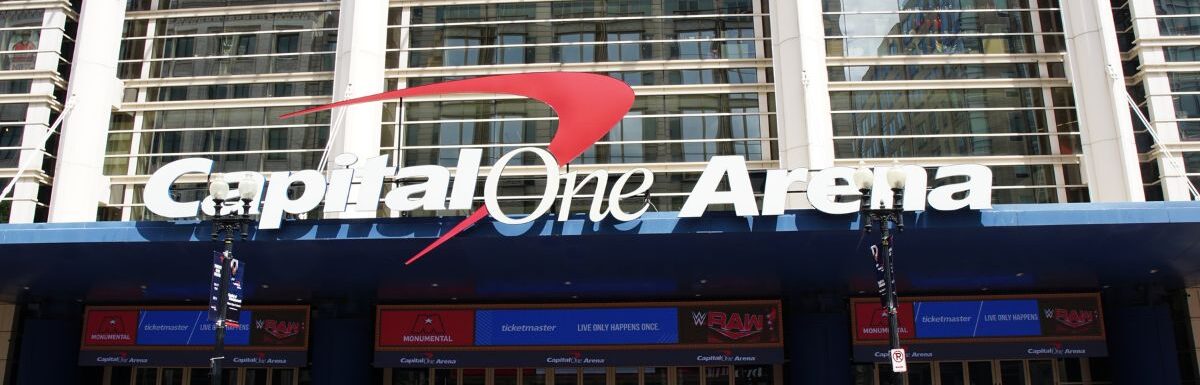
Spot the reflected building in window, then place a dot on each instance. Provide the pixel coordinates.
(956, 81)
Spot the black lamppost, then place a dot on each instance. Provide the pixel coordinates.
(864, 180)
(224, 227)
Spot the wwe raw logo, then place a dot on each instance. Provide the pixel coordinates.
(278, 329)
(734, 326)
(1074, 319)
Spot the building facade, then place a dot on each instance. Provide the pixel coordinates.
(1041, 92)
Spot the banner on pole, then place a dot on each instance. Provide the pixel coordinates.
(233, 298)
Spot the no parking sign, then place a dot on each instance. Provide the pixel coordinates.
(899, 360)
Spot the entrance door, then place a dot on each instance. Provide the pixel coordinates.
(1065, 371)
(683, 375)
(124, 375)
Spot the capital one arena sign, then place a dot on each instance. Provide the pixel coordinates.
(588, 106)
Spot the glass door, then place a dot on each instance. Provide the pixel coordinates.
(632, 375)
(565, 376)
(123, 375)
(980, 373)
(1063, 371)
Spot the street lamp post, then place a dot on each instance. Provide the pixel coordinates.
(864, 180)
(224, 227)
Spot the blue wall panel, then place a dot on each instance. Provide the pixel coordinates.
(818, 347)
(1141, 345)
(48, 352)
(341, 351)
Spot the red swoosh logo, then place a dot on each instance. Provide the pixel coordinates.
(588, 106)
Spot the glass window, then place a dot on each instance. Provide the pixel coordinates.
(687, 375)
(1182, 53)
(181, 4)
(753, 375)
(171, 376)
(287, 376)
(445, 377)
(1184, 81)
(862, 374)
(577, 52)
(1070, 371)
(504, 377)
(512, 55)
(145, 376)
(1012, 373)
(716, 375)
(654, 376)
(626, 376)
(287, 43)
(1041, 372)
(406, 376)
(595, 376)
(565, 376)
(256, 376)
(20, 34)
(473, 376)
(196, 376)
(533, 376)
(951, 373)
(920, 373)
(886, 376)
(979, 373)
(1179, 26)
(120, 375)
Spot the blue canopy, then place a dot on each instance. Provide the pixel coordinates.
(1042, 247)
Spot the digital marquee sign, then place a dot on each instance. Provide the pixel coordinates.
(183, 336)
(574, 335)
(1060, 325)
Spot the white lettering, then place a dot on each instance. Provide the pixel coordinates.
(615, 196)
(978, 188)
(596, 213)
(823, 190)
(740, 193)
(829, 190)
(372, 172)
(338, 194)
(492, 184)
(775, 193)
(277, 196)
(157, 193)
(433, 189)
(465, 176)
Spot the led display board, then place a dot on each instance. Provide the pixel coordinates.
(1059, 325)
(579, 335)
(183, 336)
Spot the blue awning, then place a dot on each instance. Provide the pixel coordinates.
(1043, 247)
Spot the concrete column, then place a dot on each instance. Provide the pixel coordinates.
(1110, 164)
(360, 64)
(93, 89)
(805, 131)
(801, 84)
(8, 313)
